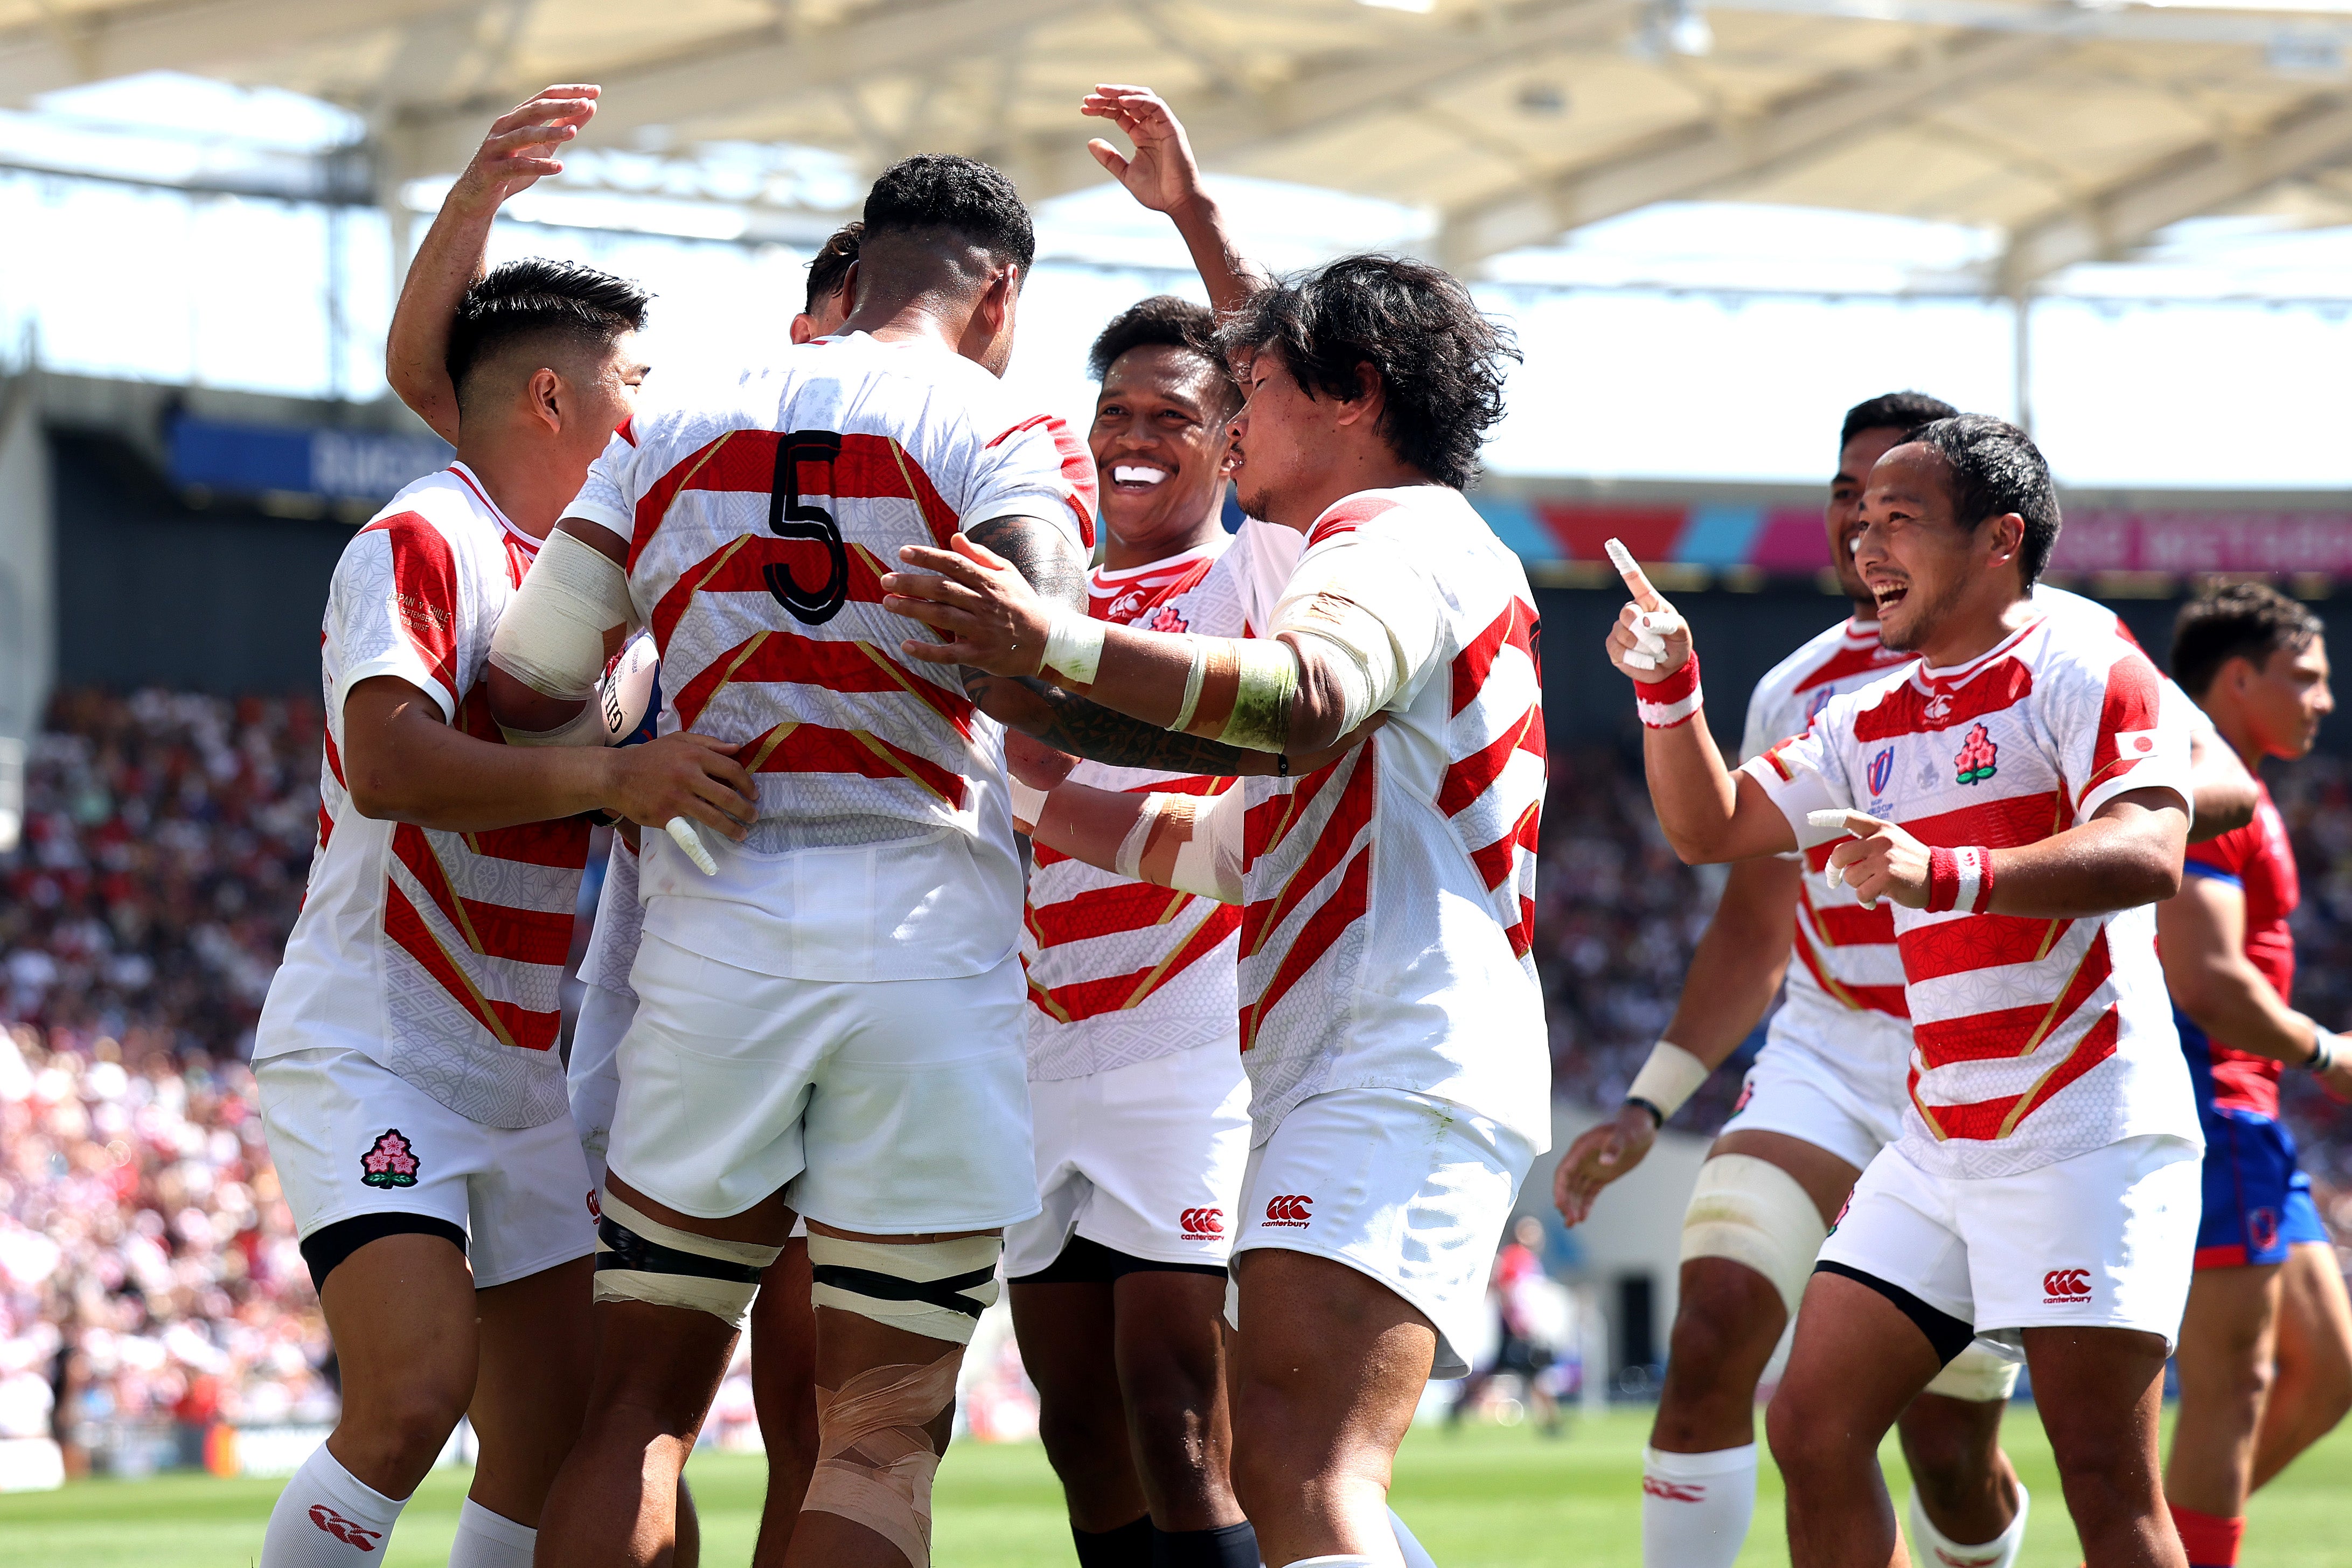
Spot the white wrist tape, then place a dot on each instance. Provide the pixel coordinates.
(1193, 679)
(682, 832)
(1670, 1076)
(1128, 861)
(551, 637)
(1028, 803)
(1074, 645)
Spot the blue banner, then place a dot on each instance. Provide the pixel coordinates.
(342, 464)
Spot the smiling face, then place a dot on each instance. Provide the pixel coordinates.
(1843, 515)
(1160, 445)
(1935, 581)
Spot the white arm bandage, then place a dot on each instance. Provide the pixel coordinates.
(1369, 617)
(1670, 1076)
(551, 637)
(1208, 841)
(1074, 645)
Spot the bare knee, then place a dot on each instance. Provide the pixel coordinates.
(1953, 1448)
(397, 1432)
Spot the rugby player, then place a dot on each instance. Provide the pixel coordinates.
(783, 1331)
(1825, 1096)
(2257, 663)
(2021, 795)
(1391, 1020)
(830, 1018)
(411, 1090)
(1136, 1081)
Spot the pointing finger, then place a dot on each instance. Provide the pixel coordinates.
(1636, 582)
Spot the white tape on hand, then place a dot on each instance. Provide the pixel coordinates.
(682, 832)
(1621, 558)
(1827, 816)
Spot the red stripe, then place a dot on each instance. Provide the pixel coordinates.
(2132, 701)
(2013, 1031)
(424, 589)
(869, 467)
(1892, 1000)
(1105, 912)
(1081, 486)
(1343, 517)
(335, 759)
(1091, 998)
(1851, 926)
(530, 1030)
(1905, 709)
(1516, 627)
(1495, 861)
(1341, 910)
(1467, 779)
(326, 827)
(562, 845)
(1996, 824)
(740, 565)
(1267, 823)
(2230, 1257)
(1349, 816)
(627, 430)
(835, 665)
(1851, 662)
(1984, 1119)
(1976, 942)
(814, 748)
(1523, 934)
(492, 930)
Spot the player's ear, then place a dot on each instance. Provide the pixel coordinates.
(1366, 402)
(2008, 541)
(543, 396)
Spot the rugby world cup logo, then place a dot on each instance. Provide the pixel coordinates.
(1881, 769)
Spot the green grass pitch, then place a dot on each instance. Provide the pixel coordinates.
(1484, 1498)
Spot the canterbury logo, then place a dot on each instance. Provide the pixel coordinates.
(1289, 1209)
(1200, 1222)
(2067, 1285)
(351, 1532)
(1673, 1491)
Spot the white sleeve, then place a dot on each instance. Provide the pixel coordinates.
(396, 607)
(2115, 733)
(1764, 725)
(1378, 616)
(1807, 773)
(606, 496)
(1038, 468)
(1269, 554)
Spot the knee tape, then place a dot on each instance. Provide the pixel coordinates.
(938, 1289)
(874, 1457)
(641, 1259)
(1979, 1373)
(1753, 1212)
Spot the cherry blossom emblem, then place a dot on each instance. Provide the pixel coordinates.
(389, 1162)
(1976, 757)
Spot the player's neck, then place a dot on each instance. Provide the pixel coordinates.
(2229, 723)
(531, 490)
(1970, 631)
(1369, 466)
(1123, 555)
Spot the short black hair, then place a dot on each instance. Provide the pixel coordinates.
(536, 298)
(1440, 358)
(828, 269)
(1904, 410)
(2241, 620)
(1165, 320)
(939, 191)
(1996, 470)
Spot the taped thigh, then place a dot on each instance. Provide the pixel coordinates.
(639, 1258)
(938, 1289)
(874, 1455)
(1754, 1213)
(1980, 1372)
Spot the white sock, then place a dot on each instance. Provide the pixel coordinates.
(1935, 1550)
(328, 1517)
(1696, 1507)
(1416, 1555)
(488, 1540)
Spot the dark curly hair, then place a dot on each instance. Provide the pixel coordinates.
(2243, 619)
(1893, 411)
(935, 191)
(1439, 358)
(540, 300)
(1164, 320)
(1996, 470)
(828, 269)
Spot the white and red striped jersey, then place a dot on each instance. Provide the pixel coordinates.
(760, 511)
(1122, 971)
(1844, 1006)
(1389, 897)
(438, 954)
(2034, 1040)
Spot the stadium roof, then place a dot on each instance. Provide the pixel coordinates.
(2078, 130)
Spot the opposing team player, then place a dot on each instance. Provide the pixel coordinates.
(2020, 795)
(2257, 663)
(1136, 1081)
(1825, 1096)
(410, 1087)
(1390, 1019)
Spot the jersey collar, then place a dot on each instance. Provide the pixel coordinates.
(1955, 676)
(472, 481)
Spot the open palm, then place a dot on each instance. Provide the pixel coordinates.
(1160, 174)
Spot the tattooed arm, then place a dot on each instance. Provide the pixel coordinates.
(1062, 720)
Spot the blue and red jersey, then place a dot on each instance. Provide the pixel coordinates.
(2258, 860)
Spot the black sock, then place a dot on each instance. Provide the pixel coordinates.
(1230, 1546)
(1128, 1546)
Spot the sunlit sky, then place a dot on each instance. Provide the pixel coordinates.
(1688, 340)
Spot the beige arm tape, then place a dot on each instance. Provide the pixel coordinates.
(1358, 657)
(875, 1462)
(730, 1300)
(551, 637)
(1979, 1372)
(962, 1272)
(1670, 1076)
(1205, 836)
(1753, 1212)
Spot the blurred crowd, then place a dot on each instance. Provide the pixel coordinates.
(149, 1278)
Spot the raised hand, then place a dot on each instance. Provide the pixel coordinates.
(519, 149)
(1600, 1155)
(1162, 174)
(1651, 640)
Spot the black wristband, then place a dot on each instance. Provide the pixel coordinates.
(2323, 1052)
(1656, 1115)
(1282, 765)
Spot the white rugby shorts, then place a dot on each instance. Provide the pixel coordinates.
(1408, 1190)
(1145, 1159)
(2106, 1240)
(889, 1107)
(352, 1137)
(1792, 1092)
